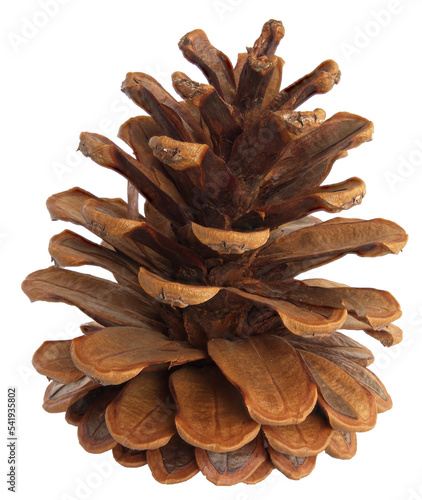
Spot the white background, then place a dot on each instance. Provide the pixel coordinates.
(63, 76)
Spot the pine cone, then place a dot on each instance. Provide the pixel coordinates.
(207, 352)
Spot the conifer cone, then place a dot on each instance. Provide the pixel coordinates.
(206, 352)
